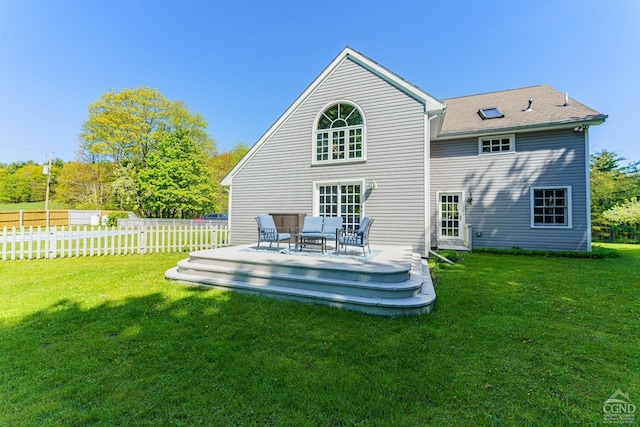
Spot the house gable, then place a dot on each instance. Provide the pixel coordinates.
(281, 176)
(432, 105)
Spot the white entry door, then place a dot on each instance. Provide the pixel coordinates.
(450, 215)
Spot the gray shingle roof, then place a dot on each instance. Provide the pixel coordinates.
(462, 116)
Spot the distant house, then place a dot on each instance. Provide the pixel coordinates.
(502, 169)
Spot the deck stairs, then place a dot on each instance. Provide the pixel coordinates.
(394, 282)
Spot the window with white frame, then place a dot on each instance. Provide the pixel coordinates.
(551, 206)
(340, 199)
(339, 134)
(497, 144)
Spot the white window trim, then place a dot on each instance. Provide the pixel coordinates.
(568, 189)
(462, 212)
(314, 133)
(512, 144)
(316, 192)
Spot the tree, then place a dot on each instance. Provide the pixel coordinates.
(611, 185)
(625, 214)
(22, 182)
(124, 127)
(219, 166)
(175, 182)
(125, 189)
(131, 130)
(86, 185)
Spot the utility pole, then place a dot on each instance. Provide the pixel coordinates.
(46, 199)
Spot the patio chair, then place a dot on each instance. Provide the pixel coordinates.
(331, 227)
(268, 232)
(359, 238)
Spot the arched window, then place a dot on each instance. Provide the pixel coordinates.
(339, 134)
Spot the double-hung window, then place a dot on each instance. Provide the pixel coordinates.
(551, 206)
(339, 134)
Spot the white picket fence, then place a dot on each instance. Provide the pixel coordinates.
(77, 241)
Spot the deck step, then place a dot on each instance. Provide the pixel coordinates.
(320, 282)
(301, 281)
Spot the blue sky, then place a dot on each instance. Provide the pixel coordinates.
(240, 64)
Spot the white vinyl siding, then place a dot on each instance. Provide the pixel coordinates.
(280, 176)
(501, 186)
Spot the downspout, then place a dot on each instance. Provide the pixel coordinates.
(588, 195)
(427, 179)
(230, 216)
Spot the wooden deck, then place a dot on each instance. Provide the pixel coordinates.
(396, 281)
(453, 244)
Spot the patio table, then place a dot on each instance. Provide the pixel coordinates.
(311, 238)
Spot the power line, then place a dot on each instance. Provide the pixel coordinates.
(12, 160)
(45, 152)
(23, 148)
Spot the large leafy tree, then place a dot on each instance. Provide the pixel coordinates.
(131, 129)
(124, 127)
(220, 165)
(612, 185)
(625, 214)
(86, 185)
(175, 182)
(22, 182)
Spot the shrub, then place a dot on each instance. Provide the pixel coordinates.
(597, 252)
(112, 218)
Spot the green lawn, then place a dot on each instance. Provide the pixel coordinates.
(29, 206)
(513, 340)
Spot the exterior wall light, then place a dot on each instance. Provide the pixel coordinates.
(372, 184)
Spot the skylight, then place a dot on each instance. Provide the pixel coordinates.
(490, 113)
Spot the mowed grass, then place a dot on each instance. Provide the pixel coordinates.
(29, 206)
(514, 340)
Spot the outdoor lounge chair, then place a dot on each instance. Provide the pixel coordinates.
(268, 232)
(320, 227)
(359, 238)
(331, 227)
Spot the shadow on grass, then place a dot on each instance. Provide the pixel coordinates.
(491, 353)
(209, 357)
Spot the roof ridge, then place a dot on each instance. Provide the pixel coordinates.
(396, 75)
(498, 91)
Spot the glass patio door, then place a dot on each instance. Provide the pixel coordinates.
(341, 200)
(450, 215)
